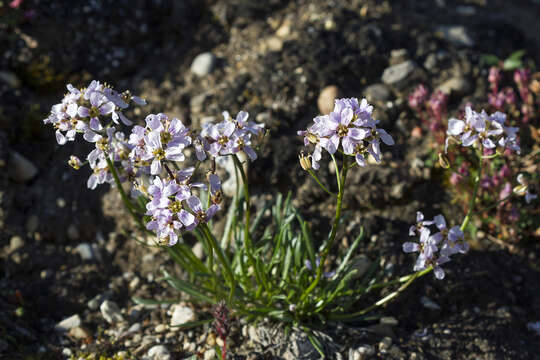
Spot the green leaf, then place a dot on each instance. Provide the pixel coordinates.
(490, 59)
(512, 64)
(316, 343)
(517, 54)
(350, 252)
(187, 288)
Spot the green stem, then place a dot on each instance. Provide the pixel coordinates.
(339, 204)
(384, 300)
(221, 256)
(131, 208)
(314, 176)
(247, 238)
(493, 205)
(475, 193)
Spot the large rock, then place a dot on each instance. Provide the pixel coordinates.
(20, 168)
(377, 92)
(397, 74)
(182, 315)
(327, 98)
(457, 86)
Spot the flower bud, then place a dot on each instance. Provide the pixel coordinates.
(305, 162)
(74, 162)
(444, 162)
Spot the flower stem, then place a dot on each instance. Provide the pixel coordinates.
(475, 193)
(128, 204)
(339, 204)
(247, 238)
(221, 256)
(314, 176)
(409, 280)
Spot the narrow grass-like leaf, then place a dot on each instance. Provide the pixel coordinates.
(351, 250)
(188, 288)
(316, 343)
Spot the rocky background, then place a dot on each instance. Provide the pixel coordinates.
(69, 264)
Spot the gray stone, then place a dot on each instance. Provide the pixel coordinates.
(389, 320)
(362, 352)
(10, 78)
(456, 86)
(457, 35)
(111, 312)
(72, 232)
(326, 99)
(3, 346)
(89, 252)
(361, 264)
(182, 315)
(377, 92)
(21, 169)
(429, 304)
(203, 64)
(32, 223)
(397, 73)
(158, 352)
(68, 323)
(16, 242)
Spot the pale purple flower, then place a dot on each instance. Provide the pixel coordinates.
(99, 105)
(350, 125)
(420, 223)
(201, 215)
(483, 129)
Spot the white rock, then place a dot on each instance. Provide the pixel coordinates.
(203, 64)
(362, 352)
(182, 315)
(111, 312)
(16, 242)
(210, 354)
(158, 352)
(456, 35)
(21, 169)
(88, 251)
(68, 323)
